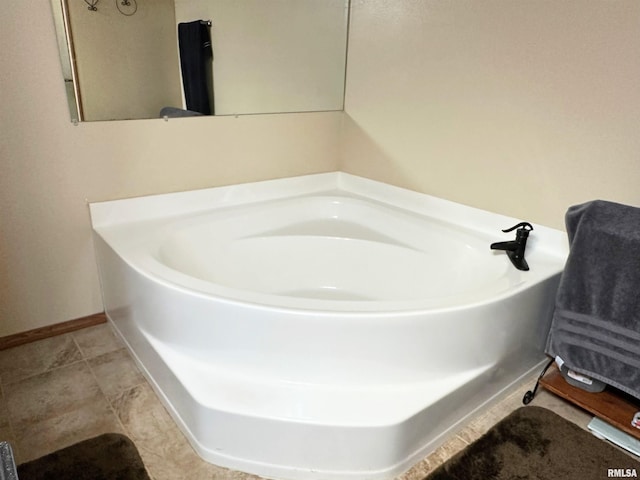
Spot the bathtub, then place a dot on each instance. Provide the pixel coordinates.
(324, 326)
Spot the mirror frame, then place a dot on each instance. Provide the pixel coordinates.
(67, 58)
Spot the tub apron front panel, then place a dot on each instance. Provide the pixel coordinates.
(325, 326)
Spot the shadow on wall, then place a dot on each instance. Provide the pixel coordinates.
(368, 158)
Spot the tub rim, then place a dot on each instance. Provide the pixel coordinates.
(111, 218)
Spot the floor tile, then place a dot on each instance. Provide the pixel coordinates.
(37, 357)
(184, 463)
(6, 434)
(149, 424)
(97, 340)
(435, 459)
(50, 394)
(55, 409)
(36, 439)
(115, 372)
(563, 408)
(4, 415)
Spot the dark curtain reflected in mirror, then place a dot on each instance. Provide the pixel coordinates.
(196, 56)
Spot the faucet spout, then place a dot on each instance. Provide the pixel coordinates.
(515, 248)
(506, 246)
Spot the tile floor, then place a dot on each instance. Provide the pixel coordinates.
(64, 389)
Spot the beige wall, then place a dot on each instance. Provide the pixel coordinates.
(49, 169)
(520, 107)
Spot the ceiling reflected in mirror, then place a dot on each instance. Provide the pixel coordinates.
(141, 59)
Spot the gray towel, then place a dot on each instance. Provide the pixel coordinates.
(596, 323)
(173, 112)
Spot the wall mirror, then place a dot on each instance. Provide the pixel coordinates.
(129, 59)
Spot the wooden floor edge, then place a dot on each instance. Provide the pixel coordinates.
(51, 330)
(611, 405)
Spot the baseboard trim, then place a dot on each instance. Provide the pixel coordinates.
(51, 330)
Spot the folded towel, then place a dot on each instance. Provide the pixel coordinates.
(596, 323)
(172, 112)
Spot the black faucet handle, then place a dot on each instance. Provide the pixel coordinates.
(525, 225)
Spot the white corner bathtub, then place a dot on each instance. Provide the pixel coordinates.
(324, 326)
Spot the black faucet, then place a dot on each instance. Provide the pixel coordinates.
(515, 248)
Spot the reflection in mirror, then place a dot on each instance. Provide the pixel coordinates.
(121, 58)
